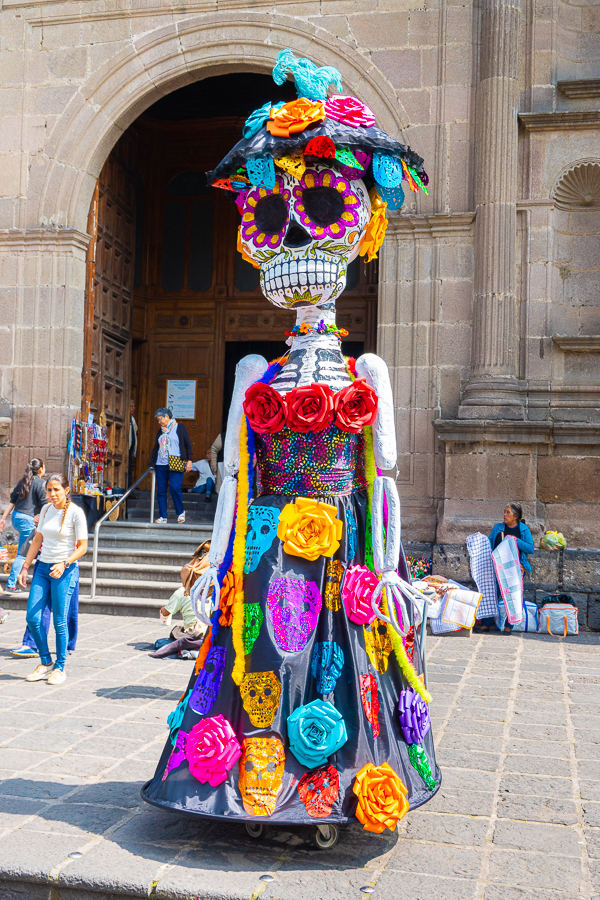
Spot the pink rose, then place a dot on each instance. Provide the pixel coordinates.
(359, 585)
(212, 749)
(349, 111)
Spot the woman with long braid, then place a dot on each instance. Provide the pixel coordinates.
(63, 538)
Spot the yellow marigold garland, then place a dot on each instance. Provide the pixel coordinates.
(406, 667)
(239, 554)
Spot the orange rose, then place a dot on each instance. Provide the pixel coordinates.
(309, 528)
(294, 117)
(381, 797)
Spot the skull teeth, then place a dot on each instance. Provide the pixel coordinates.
(300, 273)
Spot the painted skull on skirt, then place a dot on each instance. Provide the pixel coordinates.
(319, 790)
(261, 774)
(294, 606)
(208, 682)
(262, 528)
(304, 233)
(260, 693)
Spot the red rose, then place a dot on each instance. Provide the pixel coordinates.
(265, 408)
(310, 408)
(355, 406)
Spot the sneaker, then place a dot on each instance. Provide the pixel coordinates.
(24, 652)
(12, 591)
(40, 673)
(160, 521)
(56, 676)
(208, 498)
(181, 518)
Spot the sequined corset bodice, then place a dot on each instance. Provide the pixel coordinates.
(317, 464)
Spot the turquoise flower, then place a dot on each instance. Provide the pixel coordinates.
(257, 119)
(175, 718)
(315, 732)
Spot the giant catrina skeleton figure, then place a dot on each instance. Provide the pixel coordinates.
(307, 702)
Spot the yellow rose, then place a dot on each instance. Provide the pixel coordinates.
(309, 528)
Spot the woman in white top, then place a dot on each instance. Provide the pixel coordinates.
(62, 536)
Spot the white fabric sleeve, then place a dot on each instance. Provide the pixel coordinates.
(375, 371)
(386, 556)
(223, 521)
(249, 369)
(79, 524)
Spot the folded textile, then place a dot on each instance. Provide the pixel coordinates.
(461, 608)
(508, 571)
(482, 570)
(436, 611)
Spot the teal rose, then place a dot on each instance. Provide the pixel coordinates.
(315, 732)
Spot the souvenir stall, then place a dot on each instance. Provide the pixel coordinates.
(308, 703)
(87, 452)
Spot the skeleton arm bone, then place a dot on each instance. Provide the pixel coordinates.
(204, 592)
(376, 373)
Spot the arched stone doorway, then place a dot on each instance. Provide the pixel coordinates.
(170, 303)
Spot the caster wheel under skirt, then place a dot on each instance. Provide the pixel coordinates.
(256, 830)
(325, 836)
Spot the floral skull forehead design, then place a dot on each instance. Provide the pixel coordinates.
(314, 176)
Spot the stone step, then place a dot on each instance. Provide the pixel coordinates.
(138, 556)
(118, 570)
(117, 587)
(101, 605)
(150, 529)
(192, 515)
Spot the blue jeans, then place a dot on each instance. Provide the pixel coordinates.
(173, 480)
(206, 488)
(23, 524)
(60, 591)
(72, 622)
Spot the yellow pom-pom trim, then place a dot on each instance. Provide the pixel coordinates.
(239, 555)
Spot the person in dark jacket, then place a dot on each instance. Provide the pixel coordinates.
(26, 501)
(514, 525)
(172, 456)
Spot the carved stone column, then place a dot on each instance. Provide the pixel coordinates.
(492, 391)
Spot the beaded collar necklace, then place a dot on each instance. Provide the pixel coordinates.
(321, 328)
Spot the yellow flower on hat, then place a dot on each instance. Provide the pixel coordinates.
(309, 528)
(375, 230)
(294, 117)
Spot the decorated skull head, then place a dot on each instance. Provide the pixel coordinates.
(261, 774)
(262, 528)
(260, 693)
(319, 790)
(253, 619)
(377, 644)
(294, 606)
(208, 682)
(304, 233)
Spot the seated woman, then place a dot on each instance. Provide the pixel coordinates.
(514, 525)
(186, 636)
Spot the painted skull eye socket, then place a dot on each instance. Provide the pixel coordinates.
(249, 766)
(270, 215)
(271, 767)
(265, 528)
(323, 205)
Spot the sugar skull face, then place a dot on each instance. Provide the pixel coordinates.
(319, 790)
(253, 619)
(334, 573)
(261, 774)
(208, 682)
(326, 665)
(260, 693)
(262, 528)
(377, 644)
(304, 233)
(294, 608)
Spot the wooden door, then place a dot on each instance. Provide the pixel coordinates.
(107, 356)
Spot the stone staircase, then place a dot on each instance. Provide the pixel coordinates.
(197, 510)
(138, 567)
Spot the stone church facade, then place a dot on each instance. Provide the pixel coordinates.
(488, 290)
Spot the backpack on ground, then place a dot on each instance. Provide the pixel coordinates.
(559, 619)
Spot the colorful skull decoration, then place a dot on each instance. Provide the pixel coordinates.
(261, 774)
(334, 573)
(326, 665)
(351, 534)
(294, 606)
(260, 695)
(253, 619)
(262, 528)
(377, 644)
(177, 754)
(319, 790)
(208, 682)
(304, 233)
(370, 701)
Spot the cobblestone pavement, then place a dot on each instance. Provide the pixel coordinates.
(517, 721)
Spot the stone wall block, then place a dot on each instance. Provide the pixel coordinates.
(581, 570)
(452, 561)
(417, 105)
(579, 479)
(379, 30)
(11, 181)
(544, 571)
(593, 611)
(401, 67)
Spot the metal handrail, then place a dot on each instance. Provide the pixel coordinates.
(116, 505)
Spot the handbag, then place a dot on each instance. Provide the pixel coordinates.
(177, 464)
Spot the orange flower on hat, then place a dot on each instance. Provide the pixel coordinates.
(294, 117)
(231, 585)
(309, 528)
(381, 797)
(375, 230)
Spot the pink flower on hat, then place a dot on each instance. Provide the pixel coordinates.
(212, 749)
(359, 585)
(349, 111)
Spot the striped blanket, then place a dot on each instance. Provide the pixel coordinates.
(508, 571)
(482, 570)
